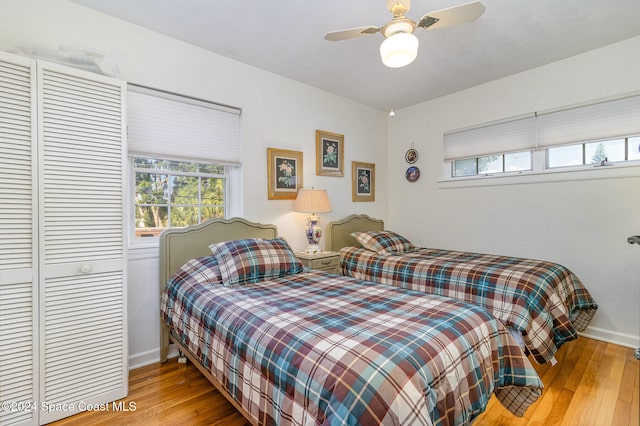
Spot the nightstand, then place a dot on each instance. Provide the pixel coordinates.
(328, 261)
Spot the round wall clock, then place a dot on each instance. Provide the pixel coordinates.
(412, 174)
(411, 156)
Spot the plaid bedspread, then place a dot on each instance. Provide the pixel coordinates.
(544, 301)
(317, 348)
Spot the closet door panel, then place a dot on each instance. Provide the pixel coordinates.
(82, 252)
(18, 241)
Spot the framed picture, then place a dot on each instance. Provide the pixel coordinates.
(329, 154)
(412, 174)
(411, 156)
(363, 181)
(284, 170)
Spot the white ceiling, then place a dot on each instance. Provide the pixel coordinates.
(286, 37)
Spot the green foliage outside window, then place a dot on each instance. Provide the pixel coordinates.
(176, 194)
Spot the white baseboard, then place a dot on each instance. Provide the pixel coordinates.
(621, 339)
(149, 357)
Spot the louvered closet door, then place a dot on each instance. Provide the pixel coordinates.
(82, 258)
(18, 262)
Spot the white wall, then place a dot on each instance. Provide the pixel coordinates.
(276, 112)
(582, 224)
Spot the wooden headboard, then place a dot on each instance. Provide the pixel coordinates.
(339, 232)
(180, 245)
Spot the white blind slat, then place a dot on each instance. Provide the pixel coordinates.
(620, 117)
(158, 123)
(509, 136)
(597, 121)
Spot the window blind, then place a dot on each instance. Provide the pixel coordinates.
(492, 138)
(171, 126)
(619, 117)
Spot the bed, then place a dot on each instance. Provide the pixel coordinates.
(543, 303)
(287, 345)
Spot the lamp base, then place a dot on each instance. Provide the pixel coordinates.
(313, 234)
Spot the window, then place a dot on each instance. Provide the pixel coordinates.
(184, 155)
(493, 164)
(601, 133)
(176, 193)
(594, 153)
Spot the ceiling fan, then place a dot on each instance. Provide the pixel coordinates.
(400, 46)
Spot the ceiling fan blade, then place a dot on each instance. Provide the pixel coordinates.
(452, 16)
(351, 33)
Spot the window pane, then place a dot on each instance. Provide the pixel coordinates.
(166, 198)
(562, 156)
(212, 169)
(212, 191)
(183, 216)
(150, 220)
(151, 188)
(491, 164)
(466, 167)
(634, 148)
(183, 166)
(212, 213)
(150, 163)
(596, 152)
(184, 190)
(517, 161)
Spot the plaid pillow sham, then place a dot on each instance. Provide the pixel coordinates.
(383, 242)
(253, 260)
(205, 269)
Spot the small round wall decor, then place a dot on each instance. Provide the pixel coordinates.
(411, 156)
(412, 174)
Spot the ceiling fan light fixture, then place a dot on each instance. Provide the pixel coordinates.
(398, 26)
(399, 50)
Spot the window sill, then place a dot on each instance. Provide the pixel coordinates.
(617, 171)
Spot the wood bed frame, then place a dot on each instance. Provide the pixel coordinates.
(339, 232)
(177, 247)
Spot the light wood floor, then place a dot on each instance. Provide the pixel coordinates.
(593, 384)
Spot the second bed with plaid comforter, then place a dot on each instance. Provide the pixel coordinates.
(316, 348)
(543, 301)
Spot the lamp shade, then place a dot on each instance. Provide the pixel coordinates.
(399, 49)
(312, 201)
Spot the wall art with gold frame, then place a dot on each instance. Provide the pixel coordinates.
(284, 172)
(363, 181)
(329, 154)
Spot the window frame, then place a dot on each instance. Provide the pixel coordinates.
(139, 241)
(583, 145)
(540, 174)
(209, 132)
(607, 119)
(503, 162)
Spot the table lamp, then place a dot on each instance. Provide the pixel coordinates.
(312, 201)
